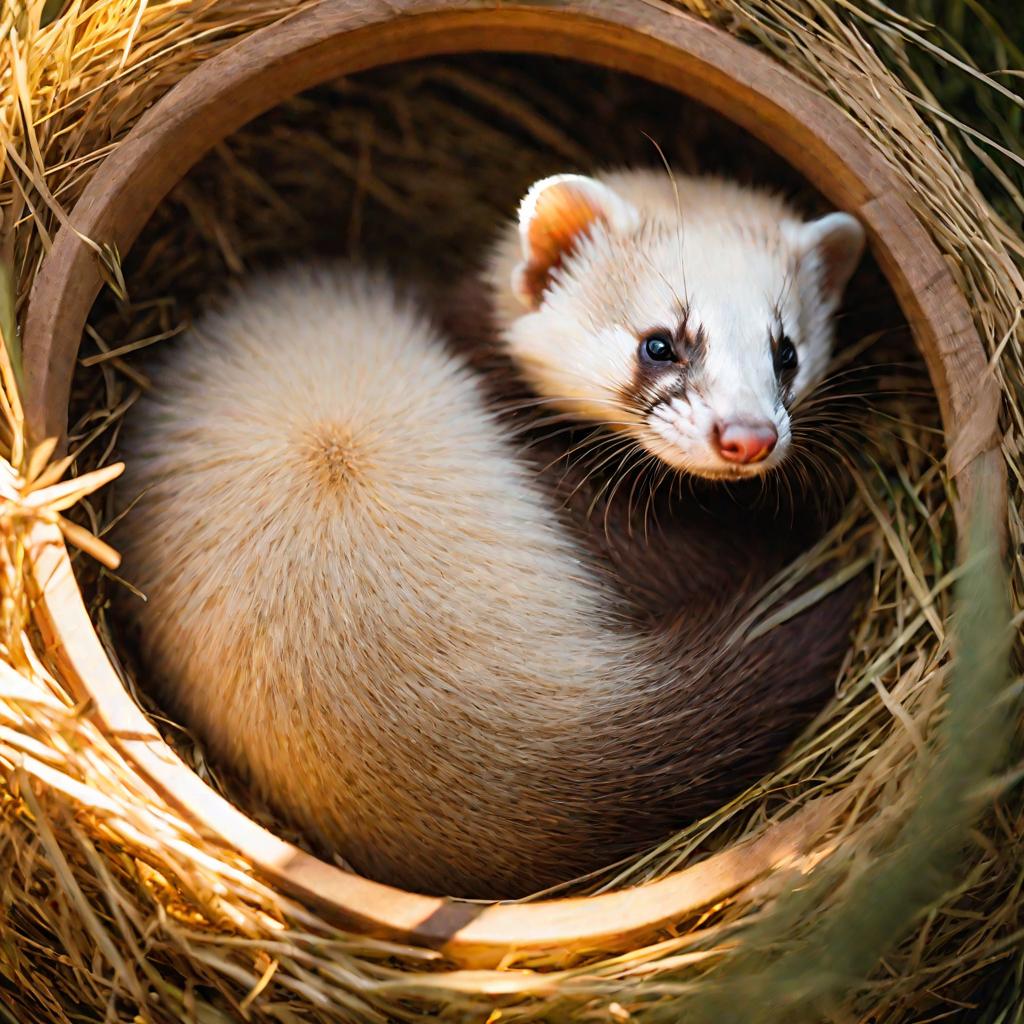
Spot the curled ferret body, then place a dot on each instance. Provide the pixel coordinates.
(418, 648)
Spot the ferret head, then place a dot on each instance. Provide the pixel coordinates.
(693, 314)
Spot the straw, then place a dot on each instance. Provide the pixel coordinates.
(114, 907)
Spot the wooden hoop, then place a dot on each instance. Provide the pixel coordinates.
(339, 37)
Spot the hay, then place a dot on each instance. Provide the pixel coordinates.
(115, 908)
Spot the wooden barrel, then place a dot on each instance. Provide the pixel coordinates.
(339, 37)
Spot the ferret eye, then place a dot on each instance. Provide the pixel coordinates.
(657, 348)
(786, 359)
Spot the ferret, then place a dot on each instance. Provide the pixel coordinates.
(362, 596)
(595, 279)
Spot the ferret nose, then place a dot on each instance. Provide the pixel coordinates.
(744, 442)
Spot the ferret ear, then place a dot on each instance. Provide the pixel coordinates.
(553, 216)
(830, 248)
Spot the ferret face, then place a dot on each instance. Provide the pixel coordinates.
(695, 327)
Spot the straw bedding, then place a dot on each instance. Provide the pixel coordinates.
(114, 908)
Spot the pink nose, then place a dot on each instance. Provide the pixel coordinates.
(743, 442)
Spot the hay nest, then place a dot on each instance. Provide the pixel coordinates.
(116, 907)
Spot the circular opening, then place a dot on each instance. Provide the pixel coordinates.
(415, 167)
(234, 213)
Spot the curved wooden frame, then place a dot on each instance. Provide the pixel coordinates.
(339, 37)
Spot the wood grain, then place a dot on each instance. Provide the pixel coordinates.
(343, 36)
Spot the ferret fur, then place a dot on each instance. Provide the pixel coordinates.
(362, 595)
(595, 263)
(356, 594)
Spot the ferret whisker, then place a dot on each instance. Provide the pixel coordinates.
(530, 440)
(871, 386)
(587, 448)
(641, 475)
(538, 433)
(593, 469)
(856, 399)
(620, 478)
(871, 371)
(680, 223)
(835, 428)
(681, 303)
(521, 405)
(602, 488)
(638, 476)
(596, 440)
(660, 471)
(567, 424)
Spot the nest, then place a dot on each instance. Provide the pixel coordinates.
(116, 903)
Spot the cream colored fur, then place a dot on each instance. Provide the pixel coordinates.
(356, 595)
(739, 260)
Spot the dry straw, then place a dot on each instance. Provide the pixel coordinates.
(113, 907)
